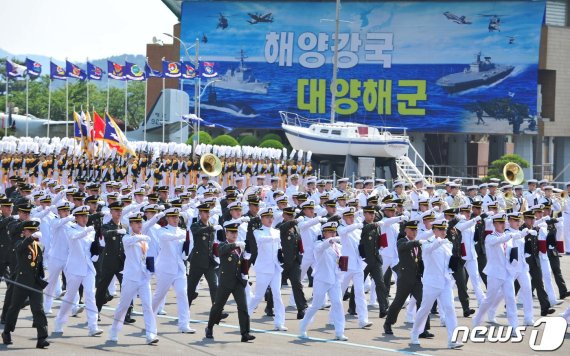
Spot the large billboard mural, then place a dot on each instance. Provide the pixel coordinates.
(462, 66)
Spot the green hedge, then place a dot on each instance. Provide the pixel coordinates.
(271, 136)
(271, 144)
(248, 140)
(204, 138)
(225, 140)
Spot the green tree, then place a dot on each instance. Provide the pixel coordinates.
(496, 167)
(225, 140)
(271, 144)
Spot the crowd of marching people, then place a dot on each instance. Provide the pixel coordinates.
(73, 225)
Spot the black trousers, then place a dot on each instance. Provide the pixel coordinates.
(377, 276)
(105, 278)
(461, 282)
(536, 282)
(555, 266)
(388, 280)
(8, 296)
(19, 296)
(481, 262)
(194, 277)
(220, 300)
(405, 286)
(292, 272)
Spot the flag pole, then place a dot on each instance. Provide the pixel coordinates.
(7, 114)
(163, 109)
(87, 79)
(27, 96)
(49, 104)
(107, 106)
(180, 106)
(126, 103)
(145, 105)
(66, 106)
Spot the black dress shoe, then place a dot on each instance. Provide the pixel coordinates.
(300, 314)
(351, 311)
(6, 338)
(383, 314)
(209, 333)
(269, 312)
(563, 296)
(42, 344)
(129, 320)
(247, 337)
(3, 321)
(546, 312)
(346, 296)
(98, 318)
(194, 296)
(426, 335)
(468, 312)
(224, 316)
(434, 312)
(388, 329)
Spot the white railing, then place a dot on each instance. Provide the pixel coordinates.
(418, 157)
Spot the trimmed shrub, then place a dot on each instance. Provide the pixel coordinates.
(204, 138)
(271, 136)
(271, 144)
(225, 140)
(248, 140)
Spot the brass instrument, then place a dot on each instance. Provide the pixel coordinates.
(510, 200)
(211, 165)
(459, 199)
(513, 173)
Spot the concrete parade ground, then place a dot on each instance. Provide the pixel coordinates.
(227, 337)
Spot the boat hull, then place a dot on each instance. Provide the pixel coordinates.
(342, 146)
(490, 78)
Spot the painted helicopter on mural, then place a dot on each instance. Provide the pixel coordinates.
(259, 18)
(494, 22)
(462, 20)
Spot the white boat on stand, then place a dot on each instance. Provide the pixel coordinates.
(343, 138)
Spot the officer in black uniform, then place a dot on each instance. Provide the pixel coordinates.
(553, 254)
(479, 238)
(253, 224)
(14, 229)
(531, 248)
(409, 271)
(369, 251)
(454, 236)
(112, 260)
(29, 273)
(5, 242)
(291, 257)
(232, 281)
(202, 262)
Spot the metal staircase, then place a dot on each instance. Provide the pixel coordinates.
(414, 167)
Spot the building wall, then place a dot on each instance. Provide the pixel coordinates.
(555, 58)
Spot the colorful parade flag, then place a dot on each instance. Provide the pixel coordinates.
(73, 71)
(94, 72)
(171, 69)
(57, 71)
(115, 71)
(134, 72)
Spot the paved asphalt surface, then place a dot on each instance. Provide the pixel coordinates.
(227, 337)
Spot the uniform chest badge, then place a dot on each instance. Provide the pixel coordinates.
(114, 238)
(204, 238)
(29, 257)
(289, 238)
(33, 264)
(369, 237)
(230, 258)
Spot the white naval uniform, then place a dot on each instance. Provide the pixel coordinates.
(310, 229)
(415, 197)
(438, 284)
(544, 262)
(498, 279)
(566, 227)
(350, 239)
(326, 280)
(58, 252)
(467, 228)
(268, 272)
(136, 280)
(389, 254)
(79, 270)
(171, 272)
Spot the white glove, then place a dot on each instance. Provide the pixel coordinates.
(524, 231)
(436, 208)
(90, 229)
(245, 219)
(560, 219)
(161, 207)
(241, 245)
(160, 215)
(143, 238)
(297, 211)
(300, 219)
(335, 239)
(359, 225)
(461, 217)
(323, 220)
(95, 258)
(477, 218)
(68, 219)
(37, 235)
(403, 218)
(102, 242)
(217, 227)
(533, 232)
(121, 231)
(406, 214)
(380, 223)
